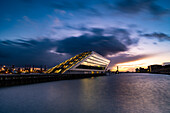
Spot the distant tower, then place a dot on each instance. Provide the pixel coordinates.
(45, 68)
(117, 71)
(41, 68)
(33, 67)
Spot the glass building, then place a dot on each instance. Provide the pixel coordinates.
(84, 63)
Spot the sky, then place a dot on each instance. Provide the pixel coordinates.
(130, 33)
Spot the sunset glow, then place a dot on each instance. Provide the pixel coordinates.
(130, 34)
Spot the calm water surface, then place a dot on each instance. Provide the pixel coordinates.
(123, 93)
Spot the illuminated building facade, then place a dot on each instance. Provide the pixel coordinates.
(18, 70)
(84, 63)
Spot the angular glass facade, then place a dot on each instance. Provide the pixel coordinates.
(86, 62)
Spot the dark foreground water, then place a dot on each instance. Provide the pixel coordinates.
(123, 93)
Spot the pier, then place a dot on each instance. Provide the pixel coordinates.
(19, 79)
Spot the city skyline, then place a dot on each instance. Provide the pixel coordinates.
(130, 33)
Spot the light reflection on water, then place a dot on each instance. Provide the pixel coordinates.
(136, 93)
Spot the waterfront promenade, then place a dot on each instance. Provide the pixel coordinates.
(18, 79)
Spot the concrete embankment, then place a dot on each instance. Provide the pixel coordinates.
(18, 79)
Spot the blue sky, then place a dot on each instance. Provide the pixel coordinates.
(124, 31)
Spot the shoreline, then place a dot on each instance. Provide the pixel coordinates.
(158, 73)
(18, 79)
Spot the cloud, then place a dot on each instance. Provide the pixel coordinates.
(21, 52)
(103, 7)
(103, 45)
(160, 36)
(123, 35)
(75, 5)
(122, 58)
(60, 11)
(27, 19)
(69, 5)
(136, 6)
(104, 41)
(51, 52)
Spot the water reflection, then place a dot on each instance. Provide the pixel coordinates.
(125, 93)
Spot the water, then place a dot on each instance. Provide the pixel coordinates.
(123, 93)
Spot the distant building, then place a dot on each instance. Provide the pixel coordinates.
(142, 70)
(137, 70)
(14, 70)
(165, 68)
(84, 63)
(155, 68)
